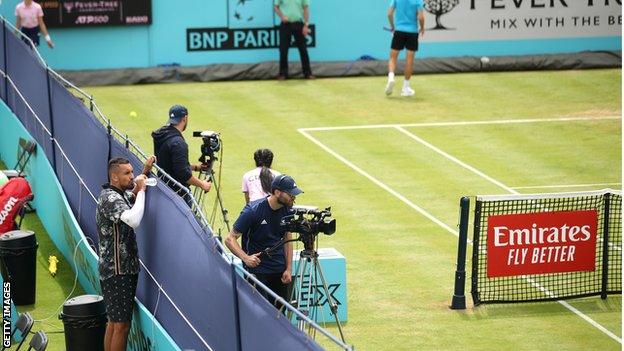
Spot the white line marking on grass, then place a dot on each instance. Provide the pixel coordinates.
(380, 184)
(499, 184)
(564, 186)
(468, 167)
(462, 123)
(420, 210)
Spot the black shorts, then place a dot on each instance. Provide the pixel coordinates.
(32, 33)
(119, 292)
(404, 40)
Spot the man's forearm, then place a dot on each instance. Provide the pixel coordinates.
(193, 180)
(278, 12)
(232, 243)
(306, 14)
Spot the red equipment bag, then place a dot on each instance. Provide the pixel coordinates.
(13, 195)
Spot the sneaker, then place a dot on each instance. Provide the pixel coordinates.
(389, 86)
(407, 91)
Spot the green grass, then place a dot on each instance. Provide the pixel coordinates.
(400, 265)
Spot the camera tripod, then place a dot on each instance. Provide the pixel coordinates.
(207, 173)
(305, 285)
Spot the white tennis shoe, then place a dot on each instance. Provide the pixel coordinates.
(407, 91)
(389, 86)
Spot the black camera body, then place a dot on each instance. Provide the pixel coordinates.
(211, 145)
(309, 222)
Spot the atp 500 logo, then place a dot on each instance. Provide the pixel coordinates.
(250, 25)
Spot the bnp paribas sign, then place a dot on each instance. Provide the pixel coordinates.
(250, 25)
(471, 20)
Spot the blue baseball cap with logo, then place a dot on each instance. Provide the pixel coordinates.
(176, 113)
(286, 183)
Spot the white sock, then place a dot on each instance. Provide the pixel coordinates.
(391, 76)
(406, 83)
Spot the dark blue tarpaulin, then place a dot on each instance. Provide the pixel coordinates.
(263, 327)
(84, 142)
(30, 78)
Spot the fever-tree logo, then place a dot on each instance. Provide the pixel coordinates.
(438, 8)
(250, 13)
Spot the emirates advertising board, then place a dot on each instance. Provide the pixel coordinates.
(538, 243)
(471, 20)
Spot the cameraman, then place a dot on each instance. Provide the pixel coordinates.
(259, 225)
(172, 152)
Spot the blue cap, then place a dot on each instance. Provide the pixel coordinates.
(286, 183)
(176, 113)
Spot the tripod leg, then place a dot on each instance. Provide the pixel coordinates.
(224, 211)
(332, 304)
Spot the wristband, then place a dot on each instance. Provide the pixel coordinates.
(47, 37)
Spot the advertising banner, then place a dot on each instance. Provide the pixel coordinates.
(85, 13)
(477, 20)
(536, 243)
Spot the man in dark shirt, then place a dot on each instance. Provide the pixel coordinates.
(119, 211)
(259, 226)
(171, 151)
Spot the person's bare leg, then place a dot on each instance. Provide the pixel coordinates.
(409, 64)
(108, 337)
(409, 68)
(392, 63)
(120, 336)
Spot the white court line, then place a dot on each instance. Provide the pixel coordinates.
(565, 186)
(420, 210)
(494, 181)
(380, 184)
(462, 123)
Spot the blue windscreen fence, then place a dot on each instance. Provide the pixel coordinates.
(185, 281)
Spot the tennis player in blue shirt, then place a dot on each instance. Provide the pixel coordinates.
(407, 22)
(259, 227)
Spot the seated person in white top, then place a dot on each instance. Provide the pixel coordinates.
(257, 182)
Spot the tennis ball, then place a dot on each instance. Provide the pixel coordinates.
(133, 114)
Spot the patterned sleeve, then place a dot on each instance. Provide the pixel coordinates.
(131, 197)
(112, 207)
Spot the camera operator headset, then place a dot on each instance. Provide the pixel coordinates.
(259, 226)
(171, 152)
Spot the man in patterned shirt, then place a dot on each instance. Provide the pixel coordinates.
(119, 211)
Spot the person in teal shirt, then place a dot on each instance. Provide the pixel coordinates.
(407, 22)
(294, 16)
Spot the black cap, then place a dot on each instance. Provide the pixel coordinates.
(286, 183)
(176, 113)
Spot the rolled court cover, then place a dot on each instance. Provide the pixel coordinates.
(546, 246)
